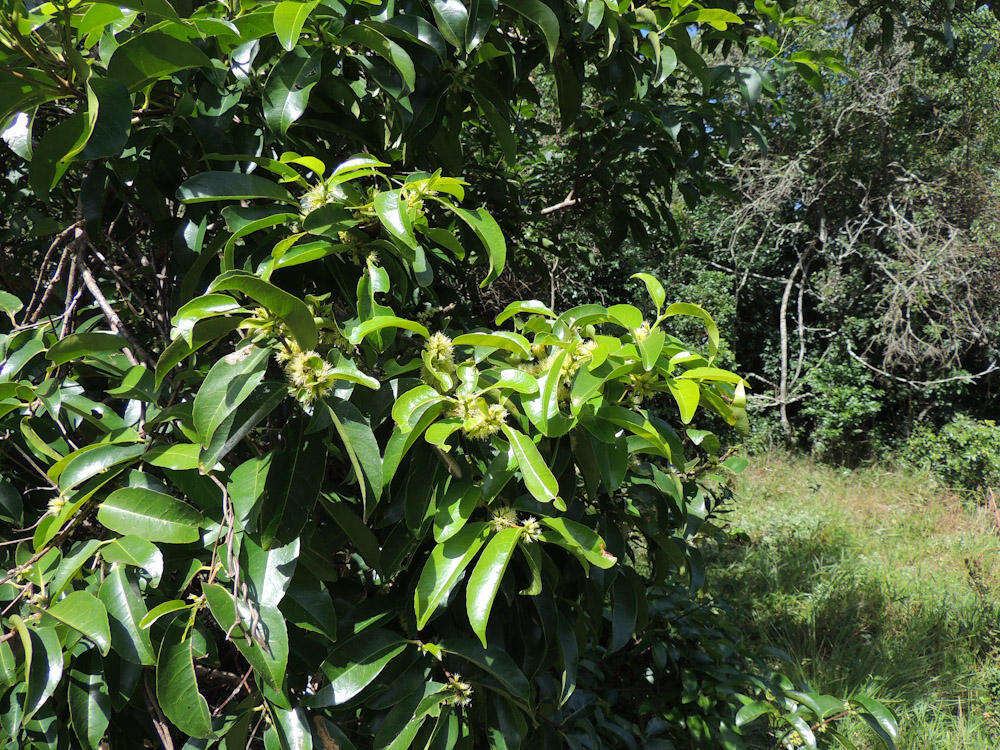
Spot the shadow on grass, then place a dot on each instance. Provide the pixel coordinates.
(845, 625)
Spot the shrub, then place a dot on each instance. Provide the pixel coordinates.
(963, 454)
(269, 480)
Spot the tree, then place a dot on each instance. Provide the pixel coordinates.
(278, 484)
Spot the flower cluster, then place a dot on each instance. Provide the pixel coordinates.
(641, 385)
(310, 377)
(504, 517)
(532, 529)
(459, 692)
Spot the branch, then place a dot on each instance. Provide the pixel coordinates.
(919, 383)
(112, 317)
(566, 202)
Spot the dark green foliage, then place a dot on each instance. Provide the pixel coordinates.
(964, 453)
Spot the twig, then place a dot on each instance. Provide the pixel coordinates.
(157, 717)
(566, 202)
(112, 317)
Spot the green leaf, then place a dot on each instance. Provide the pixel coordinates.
(87, 464)
(687, 394)
(126, 609)
(750, 712)
(487, 230)
(357, 532)
(114, 120)
(293, 727)
(263, 643)
(455, 510)
(224, 186)
(486, 576)
(204, 331)
(715, 17)
(412, 403)
(58, 147)
(392, 212)
(289, 17)
(445, 564)
(151, 56)
(292, 487)
(580, 539)
(268, 571)
(356, 662)
(10, 304)
(289, 85)
(387, 49)
(90, 708)
(543, 17)
(289, 308)
(511, 342)
(496, 662)
(538, 478)
(150, 515)
(654, 287)
(451, 17)
(228, 384)
(308, 605)
(84, 612)
(43, 666)
(687, 308)
(206, 306)
(177, 687)
(80, 345)
(161, 610)
(379, 322)
(524, 307)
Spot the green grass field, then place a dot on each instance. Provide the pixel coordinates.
(872, 578)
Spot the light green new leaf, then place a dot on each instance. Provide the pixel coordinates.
(654, 287)
(289, 308)
(289, 17)
(524, 307)
(486, 576)
(151, 515)
(379, 322)
(711, 329)
(392, 212)
(511, 342)
(538, 478)
(413, 401)
(445, 564)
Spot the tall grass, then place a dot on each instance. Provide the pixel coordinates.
(872, 578)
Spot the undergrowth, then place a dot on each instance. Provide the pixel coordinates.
(872, 579)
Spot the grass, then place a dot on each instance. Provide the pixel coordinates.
(872, 579)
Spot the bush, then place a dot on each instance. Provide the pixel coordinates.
(270, 478)
(963, 454)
